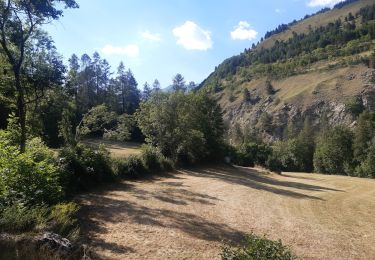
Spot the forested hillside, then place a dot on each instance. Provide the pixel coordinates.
(316, 67)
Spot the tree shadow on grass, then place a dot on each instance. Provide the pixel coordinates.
(256, 180)
(104, 206)
(102, 209)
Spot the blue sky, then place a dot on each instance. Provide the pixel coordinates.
(159, 38)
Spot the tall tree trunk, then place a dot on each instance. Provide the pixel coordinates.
(21, 108)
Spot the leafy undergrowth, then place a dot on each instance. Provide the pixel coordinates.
(257, 248)
(60, 219)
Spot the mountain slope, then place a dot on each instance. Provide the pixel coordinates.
(318, 68)
(315, 21)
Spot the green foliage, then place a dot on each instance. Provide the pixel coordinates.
(334, 154)
(154, 160)
(132, 167)
(83, 168)
(65, 128)
(19, 218)
(179, 83)
(266, 122)
(269, 88)
(366, 168)
(355, 106)
(293, 155)
(150, 161)
(363, 134)
(63, 219)
(273, 163)
(249, 154)
(185, 127)
(246, 95)
(296, 153)
(122, 130)
(31, 177)
(99, 121)
(257, 248)
(96, 121)
(45, 119)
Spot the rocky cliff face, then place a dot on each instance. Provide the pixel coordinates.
(329, 95)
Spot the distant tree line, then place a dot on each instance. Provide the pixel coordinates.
(328, 150)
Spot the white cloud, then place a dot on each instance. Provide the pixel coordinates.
(279, 11)
(243, 32)
(192, 37)
(154, 37)
(131, 50)
(315, 3)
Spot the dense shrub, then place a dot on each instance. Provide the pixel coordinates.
(131, 167)
(246, 154)
(256, 248)
(150, 161)
(61, 219)
(154, 160)
(249, 154)
(273, 163)
(334, 154)
(293, 155)
(83, 167)
(186, 127)
(31, 177)
(355, 106)
(19, 218)
(366, 168)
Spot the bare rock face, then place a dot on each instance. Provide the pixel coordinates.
(326, 97)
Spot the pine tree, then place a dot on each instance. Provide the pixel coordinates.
(146, 91)
(246, 95)
(179, 83)
(191, 86)
(269, 88)
(156, 86)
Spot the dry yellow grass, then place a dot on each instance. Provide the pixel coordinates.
(117, 149)
(190, 213)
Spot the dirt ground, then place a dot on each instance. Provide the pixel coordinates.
(188, 214)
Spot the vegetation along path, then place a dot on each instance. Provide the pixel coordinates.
(189, 214)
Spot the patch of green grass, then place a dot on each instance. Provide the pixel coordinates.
(257, 248)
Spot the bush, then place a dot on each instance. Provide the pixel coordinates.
(152, 158)
(19, 218)
(84, 168)
(274, 164)
(355, 106)
(187, 128)
(132, 167)
(245, 155)
(334, 154)
(367, 166)
(249, 154)
(29, 178)
(293, 155)
(150, 161)
(255, 248)
(63, 218)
